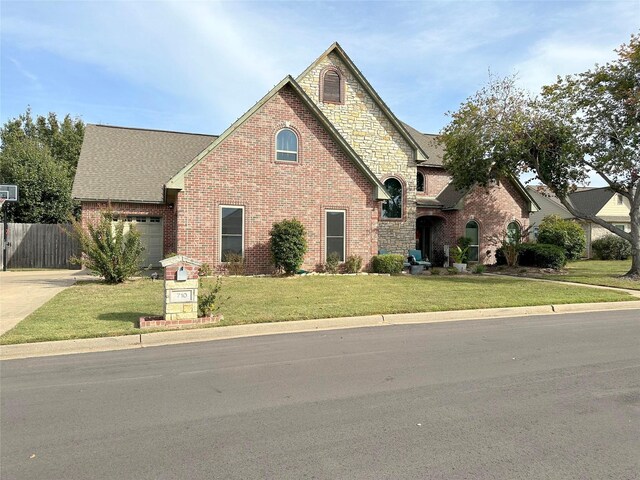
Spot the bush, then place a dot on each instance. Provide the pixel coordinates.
(541, 255)
(205, 270)
(565, 234)
(353, 264)
(611, 247)
(209, 298)
(333, 263)
(107, 250)
(235, 264)
(388, 263)
(479, 268)
(288, 245)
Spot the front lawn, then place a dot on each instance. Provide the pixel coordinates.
(96, 310)
(598, 272)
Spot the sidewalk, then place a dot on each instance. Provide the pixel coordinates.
(65, 347)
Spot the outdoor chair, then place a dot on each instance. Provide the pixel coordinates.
(415, 258)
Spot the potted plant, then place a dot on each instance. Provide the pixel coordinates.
(459, 256)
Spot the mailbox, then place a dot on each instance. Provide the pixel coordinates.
(181, 275)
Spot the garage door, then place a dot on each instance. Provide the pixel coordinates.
(150, 229)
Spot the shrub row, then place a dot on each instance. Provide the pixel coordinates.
(539, 255)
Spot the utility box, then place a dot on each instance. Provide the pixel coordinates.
(180, 288)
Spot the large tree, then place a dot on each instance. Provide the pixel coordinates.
(585, 123)
(40, 156)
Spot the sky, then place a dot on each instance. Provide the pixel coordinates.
(198, 66)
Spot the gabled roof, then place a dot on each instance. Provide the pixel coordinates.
(592, 200)
(429, 144)
(451, 197)
(131, 164)
(337, 49)
(177, 181)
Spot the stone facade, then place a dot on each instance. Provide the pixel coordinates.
(364, 125)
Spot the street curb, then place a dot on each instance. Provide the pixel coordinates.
(66, 347)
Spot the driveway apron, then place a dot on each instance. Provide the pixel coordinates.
(23, 292)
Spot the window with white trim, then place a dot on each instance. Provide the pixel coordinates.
(335, 233)
(287, 145)
(231, 231)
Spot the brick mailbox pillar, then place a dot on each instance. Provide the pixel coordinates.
(180, 289)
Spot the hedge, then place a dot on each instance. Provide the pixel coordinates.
(611, 247)
(388, 263)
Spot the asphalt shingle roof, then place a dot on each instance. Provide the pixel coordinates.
(130, 164)
(450, 196)
(592, 200)
(429, 144)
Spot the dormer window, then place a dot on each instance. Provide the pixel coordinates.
(332, 87)
(286, 145)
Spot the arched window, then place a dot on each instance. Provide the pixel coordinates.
(471, 231)
(287, 145)
(420, 182)
(331, 87)
(513, 233)
(392, 208)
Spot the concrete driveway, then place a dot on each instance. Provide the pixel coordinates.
(23, 292)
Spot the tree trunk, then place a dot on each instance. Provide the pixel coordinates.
(635, 244)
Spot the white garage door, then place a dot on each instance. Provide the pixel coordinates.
(150, 229)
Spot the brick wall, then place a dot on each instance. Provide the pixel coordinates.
(436, 179)
(242, 171)
(493, 208)
(91, 214)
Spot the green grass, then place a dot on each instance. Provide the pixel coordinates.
(598, 272)
(93, 309)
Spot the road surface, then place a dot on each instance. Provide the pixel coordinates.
(553, 397)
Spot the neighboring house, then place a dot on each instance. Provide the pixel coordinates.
(322, 148)
(600, 202)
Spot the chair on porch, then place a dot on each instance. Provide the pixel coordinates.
(417, 259)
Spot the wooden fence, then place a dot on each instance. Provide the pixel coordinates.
(32, 245)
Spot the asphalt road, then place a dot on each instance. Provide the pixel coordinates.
(549, 397)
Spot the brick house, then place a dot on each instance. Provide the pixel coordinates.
(323, 148)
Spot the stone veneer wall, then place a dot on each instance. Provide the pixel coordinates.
(367, 129)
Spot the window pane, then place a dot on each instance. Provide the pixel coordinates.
(231, 245)
(290, 157)
(513, 233)
(335, 224)
(393, 208)
(231, 221)
(473, 254)
(336, 245)
(420, 182)
(472, 232)
(287, 140)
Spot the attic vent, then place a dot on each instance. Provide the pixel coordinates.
(331, 87)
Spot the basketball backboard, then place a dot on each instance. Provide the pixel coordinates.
(9, 193)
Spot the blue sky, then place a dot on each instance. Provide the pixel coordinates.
(197, 66)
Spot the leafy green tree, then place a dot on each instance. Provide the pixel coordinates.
(44, 185)
(288, 245)
(584, 123)
(565, 234)
(40, 156)
(107, 250)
